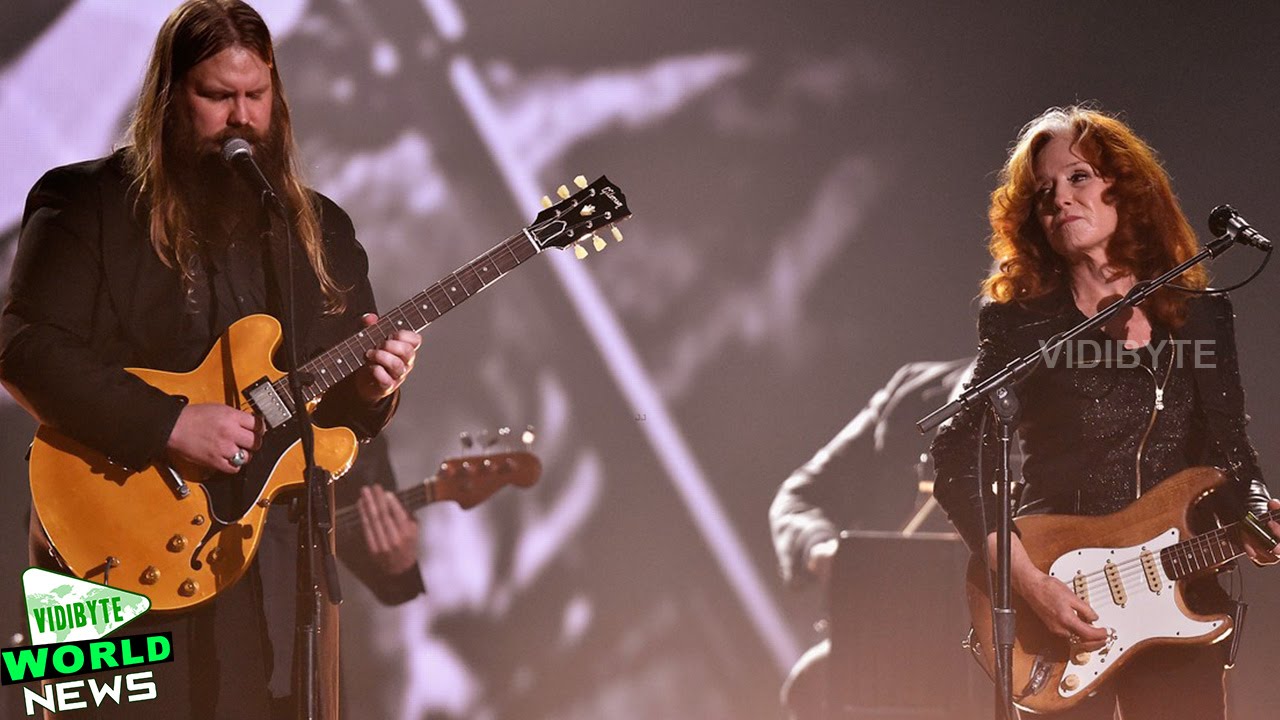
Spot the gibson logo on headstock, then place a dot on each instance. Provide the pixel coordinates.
(608, 192)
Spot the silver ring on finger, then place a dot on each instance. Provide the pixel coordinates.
(239, 459)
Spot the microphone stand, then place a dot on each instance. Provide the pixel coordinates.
(315, 527)
(998, 393)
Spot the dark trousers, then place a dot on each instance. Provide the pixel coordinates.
(220, 663)
(1175, 683)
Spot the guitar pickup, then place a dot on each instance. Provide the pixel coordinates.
(1116, 583)
(1080, 584)
(1151, 570)
(267, 403)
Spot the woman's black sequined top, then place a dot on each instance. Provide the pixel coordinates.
(1101, 425)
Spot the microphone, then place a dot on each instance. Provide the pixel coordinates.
(1224, 220)
(238, 153)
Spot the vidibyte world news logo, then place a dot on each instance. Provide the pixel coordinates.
(69, 620)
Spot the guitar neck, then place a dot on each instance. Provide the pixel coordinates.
(1209, 550)
(332, 366)
(414, 498)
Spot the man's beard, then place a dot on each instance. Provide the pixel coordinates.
(209, 188)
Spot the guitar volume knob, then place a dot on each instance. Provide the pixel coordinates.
(1070, 682)
(188, 588)
(150, 576)
(177, 543)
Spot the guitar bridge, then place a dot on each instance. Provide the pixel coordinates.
(267, 403)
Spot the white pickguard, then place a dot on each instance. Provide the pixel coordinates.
(1144, 615)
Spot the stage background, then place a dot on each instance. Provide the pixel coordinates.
(809, 183)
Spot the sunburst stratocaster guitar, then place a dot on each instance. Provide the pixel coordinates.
(1131, 567)
(467, 481)
(159, 531)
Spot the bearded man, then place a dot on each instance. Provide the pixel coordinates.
(142, 259)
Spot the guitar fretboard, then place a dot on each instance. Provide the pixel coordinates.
(1208, 550)
(332, 366)
(418, 496)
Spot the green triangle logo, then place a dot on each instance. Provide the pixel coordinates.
(63, 608)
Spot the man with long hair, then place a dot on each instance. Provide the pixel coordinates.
(142, 259)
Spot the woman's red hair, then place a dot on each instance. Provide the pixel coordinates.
(1152, 233)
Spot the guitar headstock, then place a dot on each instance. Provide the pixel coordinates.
(470, 480)
(580, 217)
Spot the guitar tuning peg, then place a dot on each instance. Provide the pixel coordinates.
(562, 191)
(599, 242)
(527, 437)
(546, 201)
(465, 439)
(580, 181)
(617, 234)
(579, 252)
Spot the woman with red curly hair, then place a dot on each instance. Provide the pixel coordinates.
(1084, 211)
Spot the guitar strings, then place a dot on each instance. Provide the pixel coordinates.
(1211, 541)
(509, 244)
(1132, 569)
(348, 518)
(1218, 541)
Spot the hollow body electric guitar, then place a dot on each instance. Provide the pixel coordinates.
(159, 531)
(1131, 567)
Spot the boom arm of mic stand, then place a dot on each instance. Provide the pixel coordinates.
(1024, 365)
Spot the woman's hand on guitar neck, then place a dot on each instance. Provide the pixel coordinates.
(1257, 550)
(210, 435)
(1061, 611)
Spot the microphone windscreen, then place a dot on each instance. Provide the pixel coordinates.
(235, 147)
(1220, 220)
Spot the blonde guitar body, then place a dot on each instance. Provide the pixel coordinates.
(1130, 567)
(135, 530)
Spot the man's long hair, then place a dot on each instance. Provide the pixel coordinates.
(194, 32)
(1152, 233)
